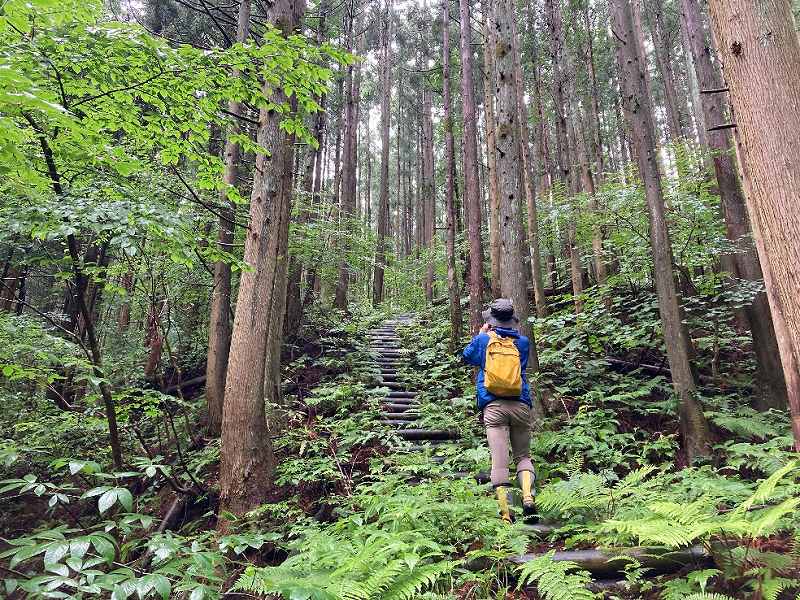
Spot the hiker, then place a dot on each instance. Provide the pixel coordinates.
(504, 398)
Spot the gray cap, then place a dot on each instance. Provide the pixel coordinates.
(501, 314)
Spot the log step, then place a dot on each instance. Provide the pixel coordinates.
(393, 385)
(427, 434)
(397, 395)
(398, 422)
(424, 447)
(400, 415)
(398, 406)
(613, 561)
(482, 477)
(402, 401)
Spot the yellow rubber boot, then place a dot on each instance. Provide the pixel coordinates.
(526, 479)
(502, 503)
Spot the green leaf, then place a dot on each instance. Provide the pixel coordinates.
(11, 585)
(198, 593)
(162, 585)
(107, 500)
(104, 547)
(78, 547)
(125, 498)
(55, 552)
(96, 491)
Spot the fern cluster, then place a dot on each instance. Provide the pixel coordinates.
(556, 580)
(377, 566)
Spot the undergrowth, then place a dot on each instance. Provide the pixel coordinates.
(356, 514)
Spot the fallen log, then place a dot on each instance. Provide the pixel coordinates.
(655, 370)
(184, 384)
(612, 561)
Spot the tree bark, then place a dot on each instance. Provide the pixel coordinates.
(471, 184)
(744, 263)
(219, 326)
(450, 161)
(491, 157)
(563, 162)
(429, 191)
(347, 201)
(636, 101)
(383, 202)
(760, 51)
(534, 249)
(247, 461)
(513, 285)
(597, 136)
(661, 48)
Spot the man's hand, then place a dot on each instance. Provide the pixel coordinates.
(485, 328)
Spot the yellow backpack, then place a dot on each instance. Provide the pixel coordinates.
(502, 374)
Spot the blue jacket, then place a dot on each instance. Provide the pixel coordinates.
(475, 354)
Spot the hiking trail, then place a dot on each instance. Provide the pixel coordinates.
(399, 411)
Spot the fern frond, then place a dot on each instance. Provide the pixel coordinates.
(634, 478)
(379, 581)
(771, 588)
(707, 596)
(768, 522)
(767, 487)
(416, 580)
(556, 580)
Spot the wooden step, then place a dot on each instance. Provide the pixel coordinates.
(403, 415)
(397, 422)
(405, 401)
(426, 446)
(482, 477)
(397, 395)
(427, 434)
(398, 406)
(606, 562)
(394, 385)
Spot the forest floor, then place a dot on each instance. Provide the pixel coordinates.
(365, 506)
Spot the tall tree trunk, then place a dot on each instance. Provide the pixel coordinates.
(429, 191)
(554, 23)
(574, 145)
(313, 160)
(563, 161)
(450, 162)
(694, 91)
(124, 313)
(744, 263)
(247, 461)
(529, 181)
(219, 326)
(662, 52)
(694, 429)
(491, 157)
(597, 135)
(542, 158)
(760, 51)
(502, 18)
(471, 183)
(348, 194)
(10, 282)
(383, 202)
(78, 299)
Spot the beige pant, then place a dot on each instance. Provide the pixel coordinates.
(508, 421)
